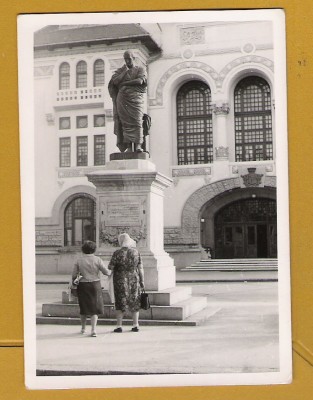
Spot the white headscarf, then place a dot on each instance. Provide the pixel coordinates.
(124, 240)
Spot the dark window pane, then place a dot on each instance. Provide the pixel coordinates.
(253, 120)
(65, 152)
(98, 73)
(99, 150)
(82, 151)
(251, 235)
(194, 124)
(64, 76)
(79, 221)
(228, 234)
(81, 74)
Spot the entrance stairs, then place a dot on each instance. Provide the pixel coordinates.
(230, 270)
(174, 306)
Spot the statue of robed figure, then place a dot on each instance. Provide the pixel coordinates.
(127, 87)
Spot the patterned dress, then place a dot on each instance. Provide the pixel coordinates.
(125, 264)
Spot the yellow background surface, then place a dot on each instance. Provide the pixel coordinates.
(299, 25)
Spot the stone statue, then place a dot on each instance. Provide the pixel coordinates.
(127, 87)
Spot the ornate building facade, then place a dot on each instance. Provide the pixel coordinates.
(211, 101)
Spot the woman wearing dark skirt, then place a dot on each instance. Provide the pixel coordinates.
(89, 290)
(128, 280)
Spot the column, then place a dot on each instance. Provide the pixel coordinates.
(221, 110)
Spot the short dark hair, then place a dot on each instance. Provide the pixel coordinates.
(89, 247)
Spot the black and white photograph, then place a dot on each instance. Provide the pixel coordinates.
(155, 215)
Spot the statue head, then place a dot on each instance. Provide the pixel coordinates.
(129, 58)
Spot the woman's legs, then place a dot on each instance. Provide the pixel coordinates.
(119, 318)
(135, 315)
(83, 319)
(93, 320)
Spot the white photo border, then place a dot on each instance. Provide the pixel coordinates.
(27, 25)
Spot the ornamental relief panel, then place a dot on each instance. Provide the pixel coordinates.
(192, 35)
(218, 77)
(45, 70)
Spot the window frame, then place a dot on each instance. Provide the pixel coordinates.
(253, 129)
(197, 144)
(79, 147)
(98, 73)
(61, 155)
(69, 220)
(81, 74)
(63, 75)
(95, 157)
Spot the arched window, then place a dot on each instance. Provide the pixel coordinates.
(98, 73)
(194, 124)
(253, 120)
(64, 76)
(81, 74)
(80, 221)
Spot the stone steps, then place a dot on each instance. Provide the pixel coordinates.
(107, 321)
(236, 264)
(177, 311)
(174, 304)
(230, 270)
(165, 297)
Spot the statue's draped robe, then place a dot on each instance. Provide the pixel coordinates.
(128, 105)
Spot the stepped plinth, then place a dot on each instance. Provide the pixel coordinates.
(130, 196)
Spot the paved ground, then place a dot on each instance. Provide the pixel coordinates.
(238, 332)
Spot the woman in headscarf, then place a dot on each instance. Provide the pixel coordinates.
(128, 280)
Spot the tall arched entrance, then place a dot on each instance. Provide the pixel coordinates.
(246, 229)
(241, 224)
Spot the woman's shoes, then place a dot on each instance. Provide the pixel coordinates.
(82, 331)
(93, 334)
(118, 330)
(135, 329)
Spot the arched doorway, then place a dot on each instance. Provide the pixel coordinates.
(80, 221)
(246, 228)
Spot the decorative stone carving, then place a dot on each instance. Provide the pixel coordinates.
(269, 168)
(76, 172)
(221, 109)
(248, 48)
(192, 35)
(190, 172)
(189, 232)
(158, 101)
(270, 181)
(235, 170)
(252, 179)
(218, 78)
(222, 152)
(44, 70)
(108, 236)
(188, 54)
(50, 119)
(240, 61)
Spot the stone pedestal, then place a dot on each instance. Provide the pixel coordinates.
(130, 199)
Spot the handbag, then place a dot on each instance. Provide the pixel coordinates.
(74, 284)
(144, 300)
